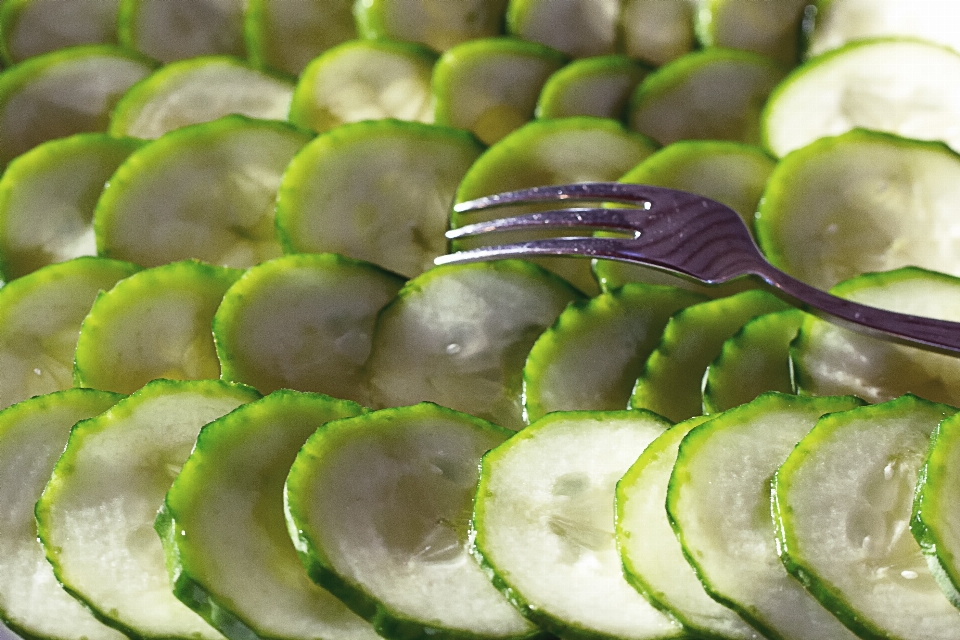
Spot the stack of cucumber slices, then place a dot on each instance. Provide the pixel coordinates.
(237, 400)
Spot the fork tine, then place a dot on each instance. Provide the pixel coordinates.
(582, 247)
(585, 217)
(596, 191)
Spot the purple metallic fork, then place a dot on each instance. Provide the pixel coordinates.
(682, 233)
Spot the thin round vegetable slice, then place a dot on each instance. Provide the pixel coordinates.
(302, 322)
(393, 545)
(872, 84)
(32, 27)
(459, 335)
(543, 524)
(229, 555)
(490, 86)
(32, 436)
(768, 28)
(754, 360)
(862, 201)
(843, 500)
(285, 35)
(592, 355)
(830, 359)
(206, 191)
(95, 517)
(169, 30)
(378, 191)
(598, 86)
(47, 199)
(672, 376)
(655, 31)
(199, 90)
(438, 24)
(718, 501)
(652, 557)
(543, 152)
(63, 92)
(713, 94)
(934, 520)
(154, 324)
(364, 80)
(579, 28)
(40, 317)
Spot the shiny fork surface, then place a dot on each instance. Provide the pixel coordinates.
(682, 233)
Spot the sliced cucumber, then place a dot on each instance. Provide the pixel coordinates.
(40, 317)
(652, 557)
(228, 552)
(754, 360)
(772, 29)
(32, 27)
(438, 24)
(718, 501)
(872, 84)
(95, 517)
(579, 28)
(490, 86)
(364, 80)
(320, 341)
(842, 501)
(656, 31)
(592, 355)
(392, 544)
(830, 359)
(543, 524)
(713, 94)
(671, 380)
(459, 335)
(378, 191)
(206, 191)
(32, 436)
(199, 90)
(47, 199)
(599, 86)
(169, 30)
(154, 324)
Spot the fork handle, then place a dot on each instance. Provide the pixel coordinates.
(938, 335)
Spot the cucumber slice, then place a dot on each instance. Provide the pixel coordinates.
(718, 501)
(714, 94)
(285, 35)
(772, 29)
(364, 80)
(31, 27)
(392, 545)
(40, 316)
(169, 30)
(829, 359)
(321, 340)
(199, 90)
(671, 381)
(438, 24)
(579, 28)
(756, 359)
(872, 84)
(154, 324)
(656, 31)
(933, 519)
(543, 524)
(842, 501)
(206, 191)
(47, 198)
(228, 552)
(63, 92)
(862, 201)
(599, 86)
(95, 517)
(542, 152)
(32, 436)
(490, 86)
(592, 355)
(653, 560)
(378, 191)
(459, 335)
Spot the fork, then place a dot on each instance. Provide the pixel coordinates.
(683, 233)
